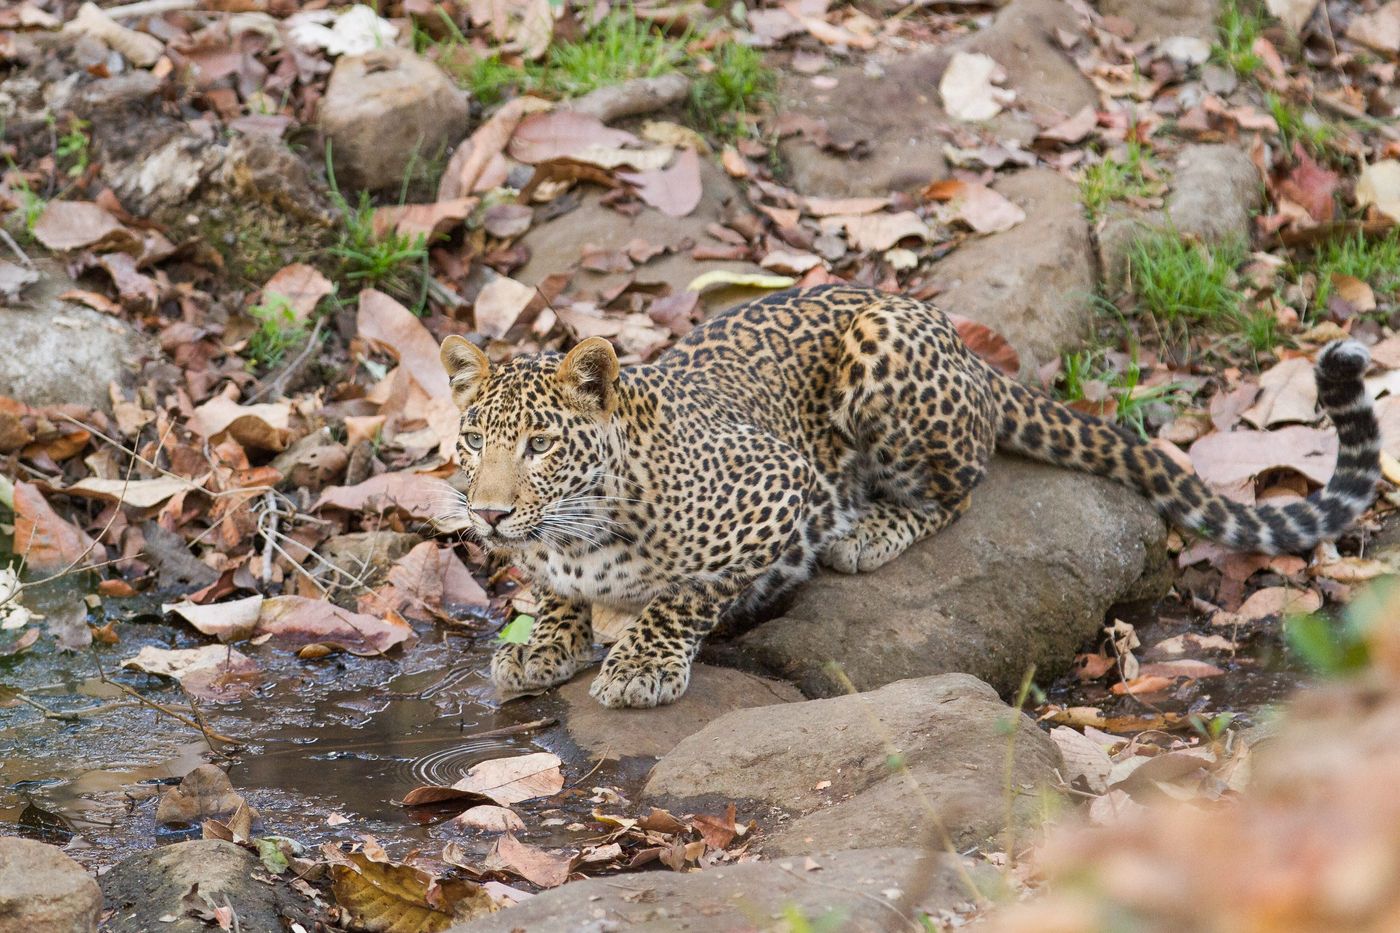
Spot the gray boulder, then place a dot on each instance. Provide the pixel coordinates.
(837, 767)
(384, 109)
(44, 891)
(1162, 19)
(865, 891)
(1034, 284)
(54, 351)
(1023, 578)
(147, 886)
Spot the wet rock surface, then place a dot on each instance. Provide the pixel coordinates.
(827, 764)
(861, 891)
(1023, 578)
(44, 891)
(385, 109)
(151, 885)
(1034, 283)
(1162, 19)
(53, 350)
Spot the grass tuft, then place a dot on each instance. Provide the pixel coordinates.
(740, 81)
(1115, 180)
(1301, 126)
(1182, 284)
(1373, 260)
(278, 331)
(391, 262)
(618, 48)
(1240, 24)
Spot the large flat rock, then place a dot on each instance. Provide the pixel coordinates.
(830, 766)
(1023, 578)
(854, 892)
(1034, 284)
(893, 113)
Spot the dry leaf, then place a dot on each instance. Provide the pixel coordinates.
(1073, 129)
(1086, 762)
(263, 426)
(986, 211)
(478, 165)
(501, 781)
(429, 221)
(791, 262)
(720, 278)
(1311, 185)
(563, 134)
(876, 231)
(489, 818)
(1229, 461)
(1356, 293)
(231, 621)
(136, 493)
(204, 794)
(988, 344)
(301, 286)
(1288, 394)
(385, 323)
(386, 897)
(829, 207)
(211, 672)
(46, 542)
(675, 191)
(418, 495)
(968, 88)
(1379, 30)
(499, 304)
(297, 620)
(1293, 13)
(1379, 185)
(70, 225)
(1277, 600)
(535, 865)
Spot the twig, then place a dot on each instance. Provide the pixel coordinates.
(1344, 109)
(272, 516)
(14, 248)
(150, 8)
(512, 730)
(274, 386)
(102, 675)
(71, 715)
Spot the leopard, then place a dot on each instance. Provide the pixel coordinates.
(828, 426)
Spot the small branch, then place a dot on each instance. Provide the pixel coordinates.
(14, 248)
(102, 675)
(274, 386)
(150, 8)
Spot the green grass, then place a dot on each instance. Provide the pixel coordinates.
(1240, 24)
(1115, 180)
(739, 82)
(1133, 401)
(618, 48)
(1302, 126)
(74, 148)
(391, 262)
(1183, 285)
(278, 331)
(31, 207)
(1373, 260)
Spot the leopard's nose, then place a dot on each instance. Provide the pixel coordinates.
(492, 517)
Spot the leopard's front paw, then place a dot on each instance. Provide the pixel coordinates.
(628, 679)
(530, 666)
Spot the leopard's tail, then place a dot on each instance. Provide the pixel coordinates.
(1045, 430)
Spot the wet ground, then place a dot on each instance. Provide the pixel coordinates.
(343, 735)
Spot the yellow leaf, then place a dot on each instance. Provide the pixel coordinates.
(721, 277)
(384, 897)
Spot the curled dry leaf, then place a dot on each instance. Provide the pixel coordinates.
(831, 207)
(46, 542)
(537, 866)
(136, 493)
(1273, 601)
(1311, 185)
(265, 426)
(478, 164)
(876, 231)
(986, 211)
(1229, 461)
(70, 225)
(1087, 765)
(1287, 394)
(231, 621)
(1378, 186)
(394, 898)
(489, 818)
(1073, 129)
(429, 221)
(563, 134)
(212, 672)
(385, 323)
(674, 191)
(204, 794)
(297, 620)
(721, 278)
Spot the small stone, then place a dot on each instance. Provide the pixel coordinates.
(41, 889)
(384, 109)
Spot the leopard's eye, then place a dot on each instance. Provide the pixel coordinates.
(474, 440)
(540, 443)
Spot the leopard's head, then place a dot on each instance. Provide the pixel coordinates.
(534, 439)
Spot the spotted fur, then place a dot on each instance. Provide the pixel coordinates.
(835, 424)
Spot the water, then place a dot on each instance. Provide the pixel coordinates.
(342, 735)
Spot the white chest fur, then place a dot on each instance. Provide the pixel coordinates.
(612, 575)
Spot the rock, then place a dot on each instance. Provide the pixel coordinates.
(44, 891)
(557, 244)
(893, 117)
(1215, 191)
(1034, 283)
(384, 109)
(54, 351)
(368, 555)
(855, 892)
(633, 97)
(1023, 578)
(951, 732)
(1162, 19)
(625, 733)
(142, 889)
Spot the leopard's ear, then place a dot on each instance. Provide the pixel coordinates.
(467, 368)
(589, 374)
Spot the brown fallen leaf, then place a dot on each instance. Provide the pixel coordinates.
(499, 305)
(1142, 685)
(212, 672)
(297, 620)
(301, 286)
(489, 818)
(1072, 129)
(231, 621)
(1378, 30)
(988, 344)
(1378, 186)
(424, 583)
(674, 191)
(478, 164)
(1357, 294)
(45, 541)
(717, 831)
(415, 494)
(562, 134)
(21, 644)
(429, 221)
(264, 426)
(392, 898)
(204, 794)
(1287, 394)
(1229, 461)
(1185, 667)
(136, 493)
(71, 225)
(1311, 185)
(830, 207)
(985, 210)
(1274, 601)
(537, 866)
(500, 781)
(877, 231)
(385, 323)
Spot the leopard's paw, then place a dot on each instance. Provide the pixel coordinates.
(629, 680)
(529, 666)
(866, 548)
